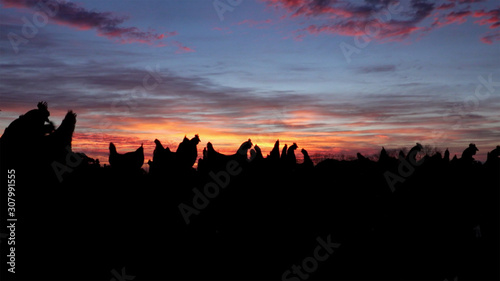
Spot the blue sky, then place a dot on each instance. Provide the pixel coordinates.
(267, 69)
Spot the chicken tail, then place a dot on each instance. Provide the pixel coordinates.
(112, 148)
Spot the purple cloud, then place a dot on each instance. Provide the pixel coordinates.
(105, 23)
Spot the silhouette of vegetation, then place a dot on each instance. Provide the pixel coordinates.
(262, 221)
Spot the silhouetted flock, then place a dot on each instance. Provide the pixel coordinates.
(246, 215)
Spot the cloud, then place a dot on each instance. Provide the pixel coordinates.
(491, 37)
(491, 18)
(378, 68)
(105, 23)
(452, 17)
(446, 6)
(181, 48)
(467, 1)
(388, 20)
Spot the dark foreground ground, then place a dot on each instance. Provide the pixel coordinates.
(337, 221)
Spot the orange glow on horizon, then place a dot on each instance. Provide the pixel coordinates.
(228, 143)
(128, 133)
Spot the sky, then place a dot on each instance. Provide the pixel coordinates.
(336, 77)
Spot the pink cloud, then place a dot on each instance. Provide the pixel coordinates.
(181, 48)
(491, 37)
(375, 20)
(446, 6)
(105, 23)
(492, 17)
(452, 17)
(347, 19)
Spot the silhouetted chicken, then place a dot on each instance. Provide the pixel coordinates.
(183, 145)
(217, 161)
(283, 153)
(243, 149)
(383, 155)
(159, 150)
(59, 141)
(360, 157)
(307, 163)
(446, 158)
(493, 160)
(256, 154)
(241, 154)
(33, 121)
(494, 154)
(212, 154)
(363, 163)
(385, 160)
(28, 128)
(163, 159)
(401, 155)
(128, 161)
(291, 160)
(412, 154)
(468, 153)
(187, 152)
(275, 153)
(25, 138)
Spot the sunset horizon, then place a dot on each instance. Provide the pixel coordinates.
(335, 78)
